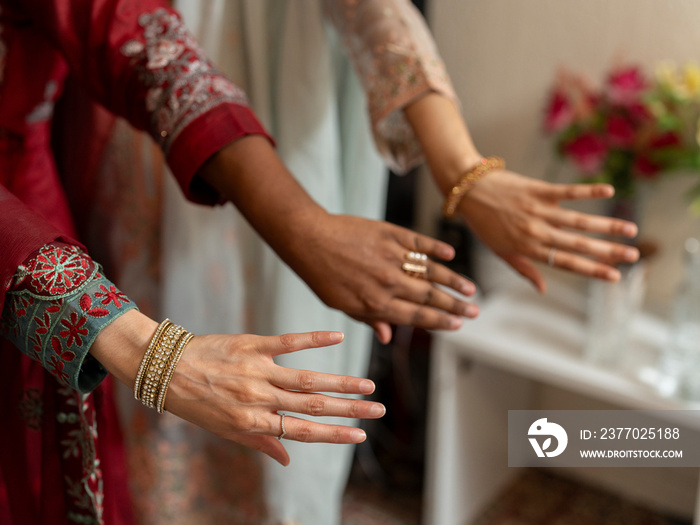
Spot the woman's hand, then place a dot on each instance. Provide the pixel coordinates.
(230, 386)
(355, 265)
(520, 219)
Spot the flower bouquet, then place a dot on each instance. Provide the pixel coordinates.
(633, 128)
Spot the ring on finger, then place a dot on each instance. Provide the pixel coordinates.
(414, 266)
(550, 257)
(284, 432)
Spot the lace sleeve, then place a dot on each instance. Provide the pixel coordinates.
(397, 61)
(57, 303)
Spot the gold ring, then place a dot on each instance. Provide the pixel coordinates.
(415, 270)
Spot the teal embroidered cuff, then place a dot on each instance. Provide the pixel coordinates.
(56, 306)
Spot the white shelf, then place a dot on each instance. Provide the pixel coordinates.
(519, 340)
(541, 337)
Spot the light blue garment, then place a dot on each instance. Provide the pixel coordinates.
(304, 90)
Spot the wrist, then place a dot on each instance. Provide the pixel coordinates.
(120, 346)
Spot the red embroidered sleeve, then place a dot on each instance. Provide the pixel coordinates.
(56, 305)
(138, 59)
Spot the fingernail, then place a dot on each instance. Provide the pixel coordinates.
(377, 410)
(366, 386)
(612, 275)
(358, 435)
(471, 310)
(631, 254)
(468, 289)
(336, 337)
(629, 230)
(455, 322)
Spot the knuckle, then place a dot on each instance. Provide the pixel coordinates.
(287, 341)
(354, 410)
(303, 432)
(429, 295)
(316, 406)
(306, 381)
(244, 422)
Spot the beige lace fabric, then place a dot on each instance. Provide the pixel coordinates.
(397, 61)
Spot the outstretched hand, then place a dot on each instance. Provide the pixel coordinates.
(230, 386)
(520, 219)
(355, 265)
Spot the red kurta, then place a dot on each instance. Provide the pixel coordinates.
(61, 459)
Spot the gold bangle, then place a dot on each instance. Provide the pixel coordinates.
(467, 181)
(153, 378)
(170, 370)
(147, 356)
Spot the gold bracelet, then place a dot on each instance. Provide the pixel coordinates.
(467, 181)
(153, 378)
(147, 356)
(170, 370)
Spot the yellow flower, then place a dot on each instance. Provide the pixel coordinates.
(691, 76)
(668, 77)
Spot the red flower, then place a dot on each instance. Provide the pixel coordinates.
(665, 140)
(625, 85)
(587, 151)
(559, 113)
(57, 369)
(74, 330)
(645, 168)
(619, 131)
(111, 295)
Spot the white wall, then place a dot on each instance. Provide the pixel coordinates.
(503, 54)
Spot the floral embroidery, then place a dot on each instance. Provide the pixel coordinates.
(78, 428)
(57, 269)
(74, 330)
(397, 61)
(31, 408)
(57, 305)
(182, 83)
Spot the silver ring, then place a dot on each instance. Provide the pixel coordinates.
(550, 258)
(284, 432)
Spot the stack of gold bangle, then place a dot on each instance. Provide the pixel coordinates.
(158, 364)
(467, 181)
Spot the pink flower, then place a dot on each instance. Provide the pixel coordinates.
(645, 168)
(559, 113)
(625, 85)
(587, 151)
(619, 131)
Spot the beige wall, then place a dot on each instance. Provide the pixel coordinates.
(503, 54)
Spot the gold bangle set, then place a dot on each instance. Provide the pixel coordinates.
(467, 181)
(158, 364)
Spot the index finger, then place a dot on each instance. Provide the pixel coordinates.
(572, 192)
(288, 343)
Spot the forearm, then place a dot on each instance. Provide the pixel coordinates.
(444, 138)
(249, 173)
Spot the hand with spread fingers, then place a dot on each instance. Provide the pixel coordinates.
(380, 273)
(521, 220)
(518, 217)
(230, 385)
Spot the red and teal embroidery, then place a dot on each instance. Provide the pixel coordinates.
(58, 303)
